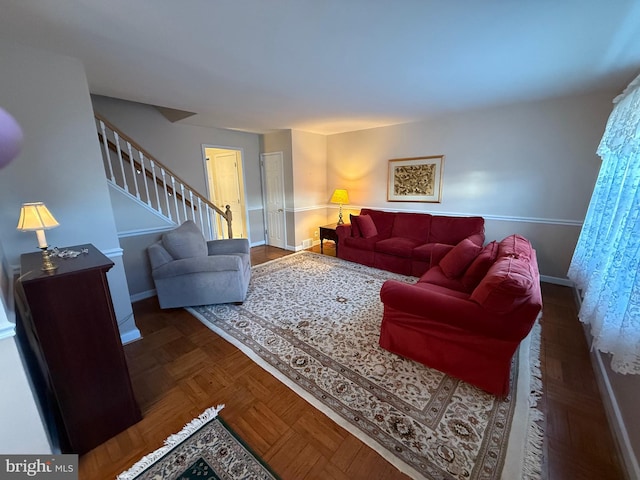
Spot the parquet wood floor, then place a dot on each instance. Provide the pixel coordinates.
(180, 368)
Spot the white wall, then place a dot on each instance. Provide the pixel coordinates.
(21, 428)
(527, 168)
(60, 163)
(309, 160)
(179, 147)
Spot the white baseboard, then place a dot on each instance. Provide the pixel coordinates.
(557, 280)
(136, 297)
(616, 422)
(130, 336)
(610, 403)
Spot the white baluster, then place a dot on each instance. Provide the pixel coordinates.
(184, 201)
(175, 198)
(209, 222)
(124, 177)
(215, 223)
(133, 170)
(144, 177)
(166, 191)
(155, 185)
(106, 150)
(200, 210)
(193, 207)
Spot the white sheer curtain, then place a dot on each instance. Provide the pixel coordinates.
(606, 261)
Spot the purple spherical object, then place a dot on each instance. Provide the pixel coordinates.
(10, 138)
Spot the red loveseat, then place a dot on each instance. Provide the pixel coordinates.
(405, 243)
(467, 315)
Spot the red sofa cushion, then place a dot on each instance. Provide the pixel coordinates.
(435, 276)
(361, 243)
(480, 266)
(355, 230)
(397, 246)
(455, 262)
(506, 285)
(382, 220)
(515, 246)
(366, 226)
(451, 230)
(412, 225)
(423, 252)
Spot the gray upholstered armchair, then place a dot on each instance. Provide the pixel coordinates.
(189, 271)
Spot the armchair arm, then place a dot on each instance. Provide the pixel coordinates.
(158, 255)
(230, 245)
(437, 306)
(185, 266)
(343, 231)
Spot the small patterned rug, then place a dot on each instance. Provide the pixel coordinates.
(313, 321)
(206, 448)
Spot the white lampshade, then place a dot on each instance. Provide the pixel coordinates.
(340, 196)
(36, 216)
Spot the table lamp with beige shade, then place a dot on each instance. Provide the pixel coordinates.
(36, 217)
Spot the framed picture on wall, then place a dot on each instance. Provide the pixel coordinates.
(417, 179)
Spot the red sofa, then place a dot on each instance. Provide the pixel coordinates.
(405, 243)
(467, 315)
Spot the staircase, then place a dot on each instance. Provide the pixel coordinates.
(135, 173)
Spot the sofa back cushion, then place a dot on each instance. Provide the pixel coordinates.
(366, 226)
(186, 241)
(480, 266)
(355, 229)
(452, 230)
(414, 226)
(508, 284)
(515, 246)
(454, 263)
(382, 220)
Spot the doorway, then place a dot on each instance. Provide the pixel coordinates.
(225, 186)
(273, 188)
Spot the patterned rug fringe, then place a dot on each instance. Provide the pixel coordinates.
(173, 440)
(532, 465)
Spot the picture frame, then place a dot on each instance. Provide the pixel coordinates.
(415, 179)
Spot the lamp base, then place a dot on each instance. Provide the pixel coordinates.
(340, 220)
(47, 265)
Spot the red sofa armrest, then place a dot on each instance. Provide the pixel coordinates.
(456, 312)
(343, 231)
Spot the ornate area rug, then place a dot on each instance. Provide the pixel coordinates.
(205, 448)
(313, 321)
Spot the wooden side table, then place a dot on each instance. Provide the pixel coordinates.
(329, 232)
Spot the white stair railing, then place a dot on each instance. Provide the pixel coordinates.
(130, 168)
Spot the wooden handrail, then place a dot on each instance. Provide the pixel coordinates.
(138, 166)
(204, 200)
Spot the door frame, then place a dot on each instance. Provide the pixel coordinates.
(264, 198)
(204, 147)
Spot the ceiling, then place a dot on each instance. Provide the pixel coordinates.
(330, 66)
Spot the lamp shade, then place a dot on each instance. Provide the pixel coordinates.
(340, 196)
(36, 216)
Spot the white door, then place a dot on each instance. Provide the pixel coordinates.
(224, 176)
(273, 180)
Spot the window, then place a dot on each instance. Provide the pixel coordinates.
(606, 261)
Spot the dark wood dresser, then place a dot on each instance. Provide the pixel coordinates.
(68, 325)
